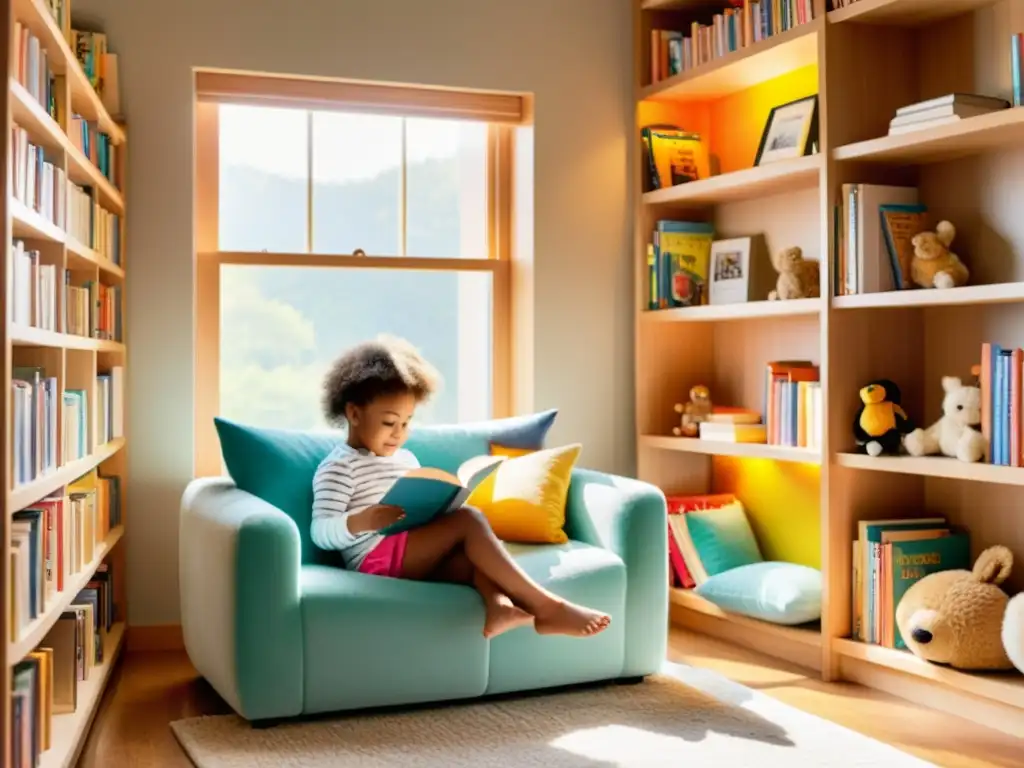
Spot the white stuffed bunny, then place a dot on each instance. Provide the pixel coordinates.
(956, 433)
(1013, 631)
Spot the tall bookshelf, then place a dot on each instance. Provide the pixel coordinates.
(64, 317)
(863, 60)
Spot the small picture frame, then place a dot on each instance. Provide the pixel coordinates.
(791, 131)
(739, 270)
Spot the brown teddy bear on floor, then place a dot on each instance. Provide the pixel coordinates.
(934, 265)
(956, 617)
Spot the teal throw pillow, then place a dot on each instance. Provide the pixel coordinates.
(277, 465)
(722, 537)
(782, 593)
(447, 446)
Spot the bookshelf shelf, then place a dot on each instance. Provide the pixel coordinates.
(970, 136)
(871, 58)
(934, 466)
(909, 13)
(29, 493)
(752, 310)
(82, 257)
(69, 731)
(26, 336)
(774, 178)
(722, 448)
(27, 223)
(37, 630)
(1001, 293)
(741, 69)
(1006, 688)
(65, 386)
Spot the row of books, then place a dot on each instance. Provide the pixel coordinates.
(55, 539)
(93, 225)
(45, 683)
(686, 569)
(96, 146)
(37, 448)
(1001, 387)
(34, 290)
(99, 64)
(678, 258)
(110, 405)
(34, 398)
(739, 25)
(889, 556)
(943, 110)
(793, 404)
(874, 225)
(93, 310)
(35, 180)
(33, 71)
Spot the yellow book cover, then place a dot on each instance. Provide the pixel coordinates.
(687, 257)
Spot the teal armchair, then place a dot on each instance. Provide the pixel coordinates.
(279, 631)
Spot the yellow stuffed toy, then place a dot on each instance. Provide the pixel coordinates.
(956, 617)
(934, 265)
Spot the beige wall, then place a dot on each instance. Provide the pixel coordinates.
(574, 55)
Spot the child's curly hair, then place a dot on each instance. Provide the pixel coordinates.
(385, 366)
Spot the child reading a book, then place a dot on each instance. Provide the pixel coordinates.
(374, 389)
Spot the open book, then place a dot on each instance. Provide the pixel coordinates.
(425, 492)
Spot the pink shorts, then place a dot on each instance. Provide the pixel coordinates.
(386, 558)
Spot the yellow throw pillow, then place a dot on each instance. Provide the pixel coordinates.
(524, 499)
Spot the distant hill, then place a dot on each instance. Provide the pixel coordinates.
(282, 326)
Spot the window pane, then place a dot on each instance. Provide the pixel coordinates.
(357, 161)
(446, 188)
(264, 173)
(282, 326)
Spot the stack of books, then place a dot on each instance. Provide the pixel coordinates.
(942, 110)
(889, 556)
(733, 425)
(794, 404)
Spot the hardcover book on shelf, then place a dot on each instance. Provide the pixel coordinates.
(867, 265)
(943, 110)
(679, 263)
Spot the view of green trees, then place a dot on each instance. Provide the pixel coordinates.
(282, 326)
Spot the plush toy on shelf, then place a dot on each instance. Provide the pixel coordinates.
(693, 412)
(956, 433)
(799, 278)
(934, 265)
(960, 618)
(1013, 631)
(881, 422)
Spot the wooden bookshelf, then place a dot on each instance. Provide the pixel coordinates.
(74, 360)
(870, 57)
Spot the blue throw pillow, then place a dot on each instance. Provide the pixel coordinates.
(722, 537)
(782, 593)
(278, 465)
(447, 446)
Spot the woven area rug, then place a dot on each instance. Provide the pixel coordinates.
(683, 718)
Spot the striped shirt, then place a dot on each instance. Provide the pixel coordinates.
(348, 481)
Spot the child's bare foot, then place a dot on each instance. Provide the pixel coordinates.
(571, 619)
(503, 615)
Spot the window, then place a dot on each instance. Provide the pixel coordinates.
(318, 227)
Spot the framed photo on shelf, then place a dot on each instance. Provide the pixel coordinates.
(740, 271)
(791, 131)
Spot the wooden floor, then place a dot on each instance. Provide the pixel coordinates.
(149, 690)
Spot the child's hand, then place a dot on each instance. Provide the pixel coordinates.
(382, 515)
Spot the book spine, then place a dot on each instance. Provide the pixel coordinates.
(1016, 59)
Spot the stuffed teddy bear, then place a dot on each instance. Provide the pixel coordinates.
(956, 433)
(956, 617)
(934, 265)
(693, 412)
(880, 423)
(799, 278)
